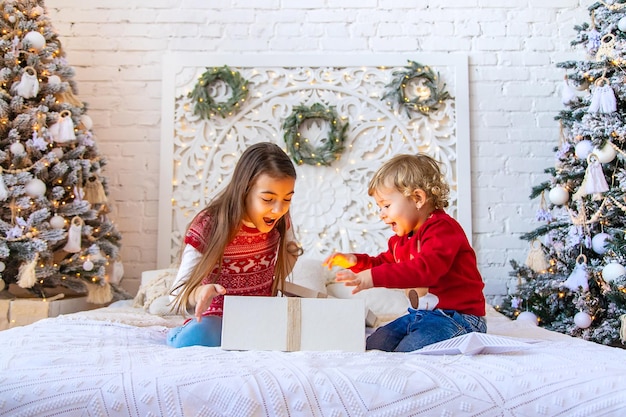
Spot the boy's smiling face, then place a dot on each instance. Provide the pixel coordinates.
(398, 211)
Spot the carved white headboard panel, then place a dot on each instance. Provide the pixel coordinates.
(331, 209)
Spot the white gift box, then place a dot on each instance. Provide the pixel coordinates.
(291, 324)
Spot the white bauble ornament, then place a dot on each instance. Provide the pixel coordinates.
(621, 24)
(86, 121)
(12, 19)
(17, 148)
(582, 320)
(58, 152)
(88, 265)
(57, 222)
(598, 243)
(583, 149)
(2, 266)
(612, 271)
(36, 11)
(36, 40)
(605, 154)
(527, 317)
(54, 80)
(35, 188)
(558, 195)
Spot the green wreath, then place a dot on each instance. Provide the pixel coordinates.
(301, 151)
(205, 106)
(434, 93)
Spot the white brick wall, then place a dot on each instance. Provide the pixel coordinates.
(116, 48)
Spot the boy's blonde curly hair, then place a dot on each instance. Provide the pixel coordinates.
(408, 173)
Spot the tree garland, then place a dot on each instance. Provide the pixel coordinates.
(205, 106)
(431, 93)
(301, 151)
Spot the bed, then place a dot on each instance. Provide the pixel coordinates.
(113, 361)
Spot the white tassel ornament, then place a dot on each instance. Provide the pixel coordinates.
(603, 98)
(579, 276)
(28, 86)
(594, 181)
(99, 294)
(568, 94)
(63, 130)
(73, 236)
(536, 259)
(94, 191)
(26, 277)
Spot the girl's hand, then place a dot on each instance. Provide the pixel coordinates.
(342, 260)
(361, 281)
(203, 296)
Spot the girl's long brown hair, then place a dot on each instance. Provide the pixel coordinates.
(227, 211)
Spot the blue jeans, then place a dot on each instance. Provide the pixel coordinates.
(207, 332)
(419, 328)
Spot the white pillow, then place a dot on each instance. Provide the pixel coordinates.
(155, 285)
(388, 304)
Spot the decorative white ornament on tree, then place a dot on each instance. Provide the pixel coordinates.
(536, 260)
(558, 195)
(528, 317)
(598, 243)
(583, 149)
(86, 121)
(579, 276)
(88, 265)
(35, 40)
(35, 188)
(73, 235)
(63, 130)
(54, 80)
(57, 222)
(605, 154)
(603, 98)
(568, 94)
(28, 86)
(612, 271)
(582, 320)
(621, 24)
(17, 149)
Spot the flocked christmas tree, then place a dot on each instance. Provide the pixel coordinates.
(573, 280)
(55, 235)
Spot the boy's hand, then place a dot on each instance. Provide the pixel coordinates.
(361, 281)
(342, 260)
(204, 295)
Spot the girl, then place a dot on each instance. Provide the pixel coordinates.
(429, 251)
(241, 244)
